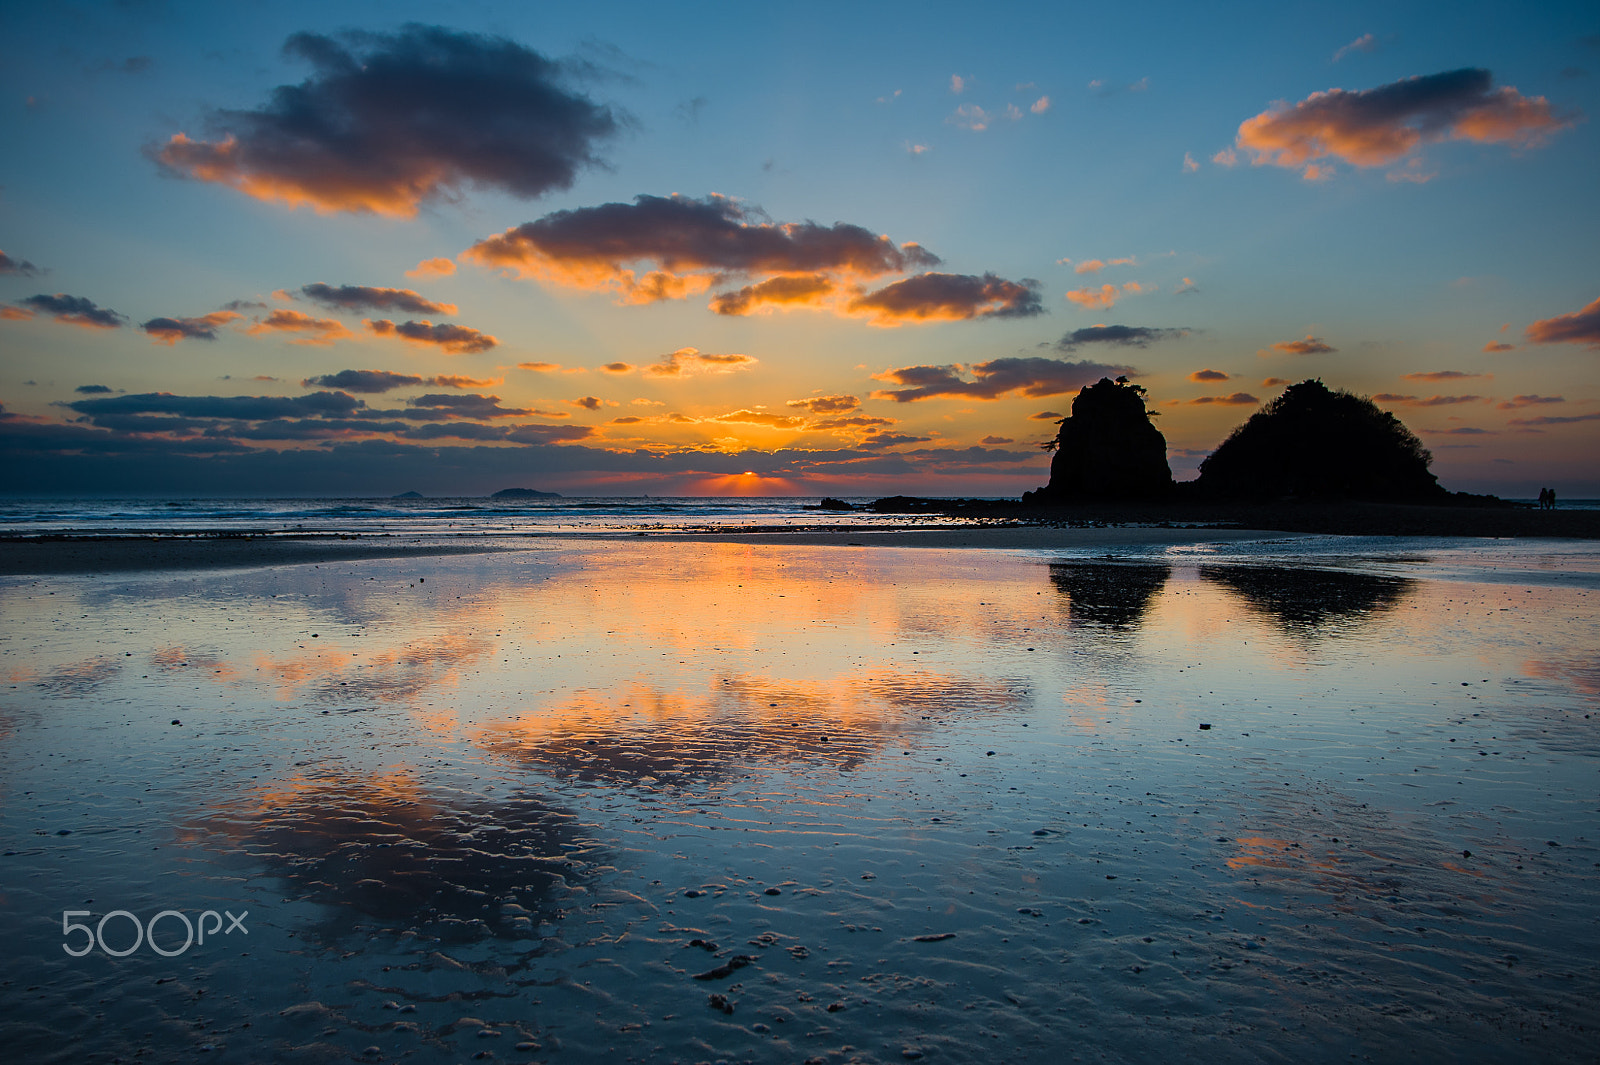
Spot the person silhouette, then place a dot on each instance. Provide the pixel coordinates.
(1550, 496)
(1544, 498)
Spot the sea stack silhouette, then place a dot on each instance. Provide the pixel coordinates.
(1315, 443)
(1108, 448)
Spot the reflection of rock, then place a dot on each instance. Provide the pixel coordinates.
(384, 849)
(1111, 594)
(1310, 600)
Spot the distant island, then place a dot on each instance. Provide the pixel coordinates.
(408, 495)
(524, 493)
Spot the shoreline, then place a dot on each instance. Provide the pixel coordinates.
(990, 526)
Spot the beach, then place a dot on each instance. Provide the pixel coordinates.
(1016, 793)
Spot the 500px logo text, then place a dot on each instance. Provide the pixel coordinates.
(143, 933)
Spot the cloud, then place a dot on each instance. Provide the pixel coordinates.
(10, 267)
(363, 381)
(1040, 106)
(826, 404)
(1094, 266)
(586, 402)
(1566, 419)
(549, 434)
(627, 419)
(1186, 287)
(1103, 298)
(1377, 127)
(452, 339)
(1441, 375)
(15, 314)
(253, 408)
(1430, 401)
(1202, 376)
(1045, 416)
(1276, 382)
(994, 441)
(432, 268)
(1137, 336)
(171, 330)
(1518, 402)
(454, 380)
(1237, 399)
(1366, 43)
(949, 297)
(858, 421)
(74, 310)
(1579, 327)
(688, 361)
(970, 117)
(539, 367)
(1189, 165)
(918, 149)
(470, 405)
(1309, 346)
(958, 84)
(670, 247)
(791, 290)
(994, 379)
(92, 390)
(761, 417)
(618, 367)
(1463, 430)
(387, 122)
(1494, 347)
(319, 330)
(365, 298)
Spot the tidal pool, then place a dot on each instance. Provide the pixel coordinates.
(1288, 801)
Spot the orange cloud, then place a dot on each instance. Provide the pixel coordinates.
(451, 380)
(1518, 402)
(761, 417)
(688, 361)
(670, 247)
(73, 310)
(171, 330)
(1276, 382)
(1309, 346)
(1103, 298)
(1430, 401)
(1237, 399)
(319, 330)
(949, 297)
(539, 367)
(1377, 127)
(1203, 376)
(785, 291)
(618, 367)
(1579, 327)
(395, 120)
(1495, 346)
(15, 314)
(432, 268)
(827, 404)
(1442, 375)
(452, 339)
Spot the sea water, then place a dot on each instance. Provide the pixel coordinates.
(1306, 798)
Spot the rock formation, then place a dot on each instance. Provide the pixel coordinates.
(1315, 443)
(1107, 449)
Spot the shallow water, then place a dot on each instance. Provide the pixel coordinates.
(884, 802)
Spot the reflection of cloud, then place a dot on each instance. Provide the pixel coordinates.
(1113, 596)
(1311, 602)
(382, 847)
(648, 735)
(77, 679)
(400, 673)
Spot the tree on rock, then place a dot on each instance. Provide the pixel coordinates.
(1317, 443)
(1107, 449)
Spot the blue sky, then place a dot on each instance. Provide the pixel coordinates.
(1442, 204)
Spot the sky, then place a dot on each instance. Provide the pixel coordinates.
(833, 249)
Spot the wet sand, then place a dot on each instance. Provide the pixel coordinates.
(674, 800)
